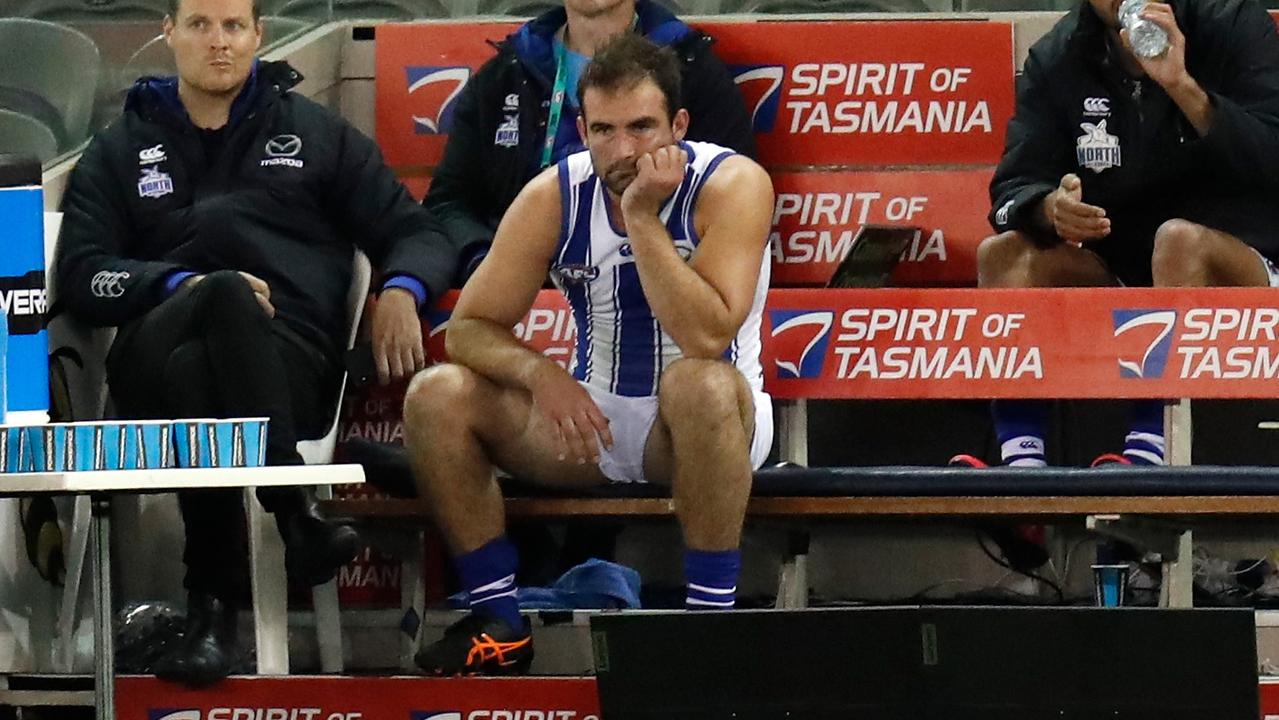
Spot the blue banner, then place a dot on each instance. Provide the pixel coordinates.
(23, 298)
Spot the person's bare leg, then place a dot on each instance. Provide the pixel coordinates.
(457, 426)
(1192, 255)
(1013, 259)
(700, 444)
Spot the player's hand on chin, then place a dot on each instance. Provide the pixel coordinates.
(658, 175)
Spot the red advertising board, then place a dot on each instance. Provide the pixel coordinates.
(420, 70)
(1269, 698)
(347, 698)
(852, 93)
(817, 215)
(372, 413)
(967, 343)
(548, 327)
(873, 93)
(1045, 343)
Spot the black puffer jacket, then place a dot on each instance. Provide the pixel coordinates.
(479, 176)
(291, 189)
(1138, 157)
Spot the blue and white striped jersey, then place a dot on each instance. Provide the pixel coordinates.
(621, 347)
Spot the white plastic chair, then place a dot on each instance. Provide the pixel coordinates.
(324, 599)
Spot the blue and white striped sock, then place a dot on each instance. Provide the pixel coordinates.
(1020, 426)
(711, 577)
(488, 575)
(1023, 451)
(1143, 448)
(1145, 444)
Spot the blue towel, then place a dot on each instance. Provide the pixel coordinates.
(593, 585)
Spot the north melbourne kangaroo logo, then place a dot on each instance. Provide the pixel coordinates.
(804, 336)
(1097, 149)
(1149, 335)
(434, 92)
(761, 86)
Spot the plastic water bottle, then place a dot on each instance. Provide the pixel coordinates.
(1148, 40)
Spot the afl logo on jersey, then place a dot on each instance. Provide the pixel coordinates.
(575, 274)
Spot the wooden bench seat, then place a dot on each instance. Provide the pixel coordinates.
(883, 491)
(1149, 505)
(417, 511)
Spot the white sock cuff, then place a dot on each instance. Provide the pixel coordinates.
(1022, 445)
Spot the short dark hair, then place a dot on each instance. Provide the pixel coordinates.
(627, 60)
(257, 9)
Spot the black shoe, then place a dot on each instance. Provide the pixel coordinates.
(479, 645)
(43, 536)
(314, 548)
(208, 650)
(1021, 545)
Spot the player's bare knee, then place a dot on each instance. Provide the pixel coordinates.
(997, 254)
(1179, 250)
(700, 391)
(440, 391)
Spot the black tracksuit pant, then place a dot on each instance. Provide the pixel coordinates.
(210, 351)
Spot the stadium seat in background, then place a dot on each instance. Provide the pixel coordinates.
(49, 72)
(72, 11)
(323, 10)
(23, 134)
(153, 58)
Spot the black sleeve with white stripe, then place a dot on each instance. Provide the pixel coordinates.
(1036, 155)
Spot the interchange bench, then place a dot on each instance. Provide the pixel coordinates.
(966, 344)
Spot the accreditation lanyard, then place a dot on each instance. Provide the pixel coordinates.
(557, 103)
(558, 95)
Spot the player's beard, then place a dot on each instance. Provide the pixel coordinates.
(619, 176)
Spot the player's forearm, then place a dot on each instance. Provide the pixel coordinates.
(688, 307)
(494, 352)
(1193, 102)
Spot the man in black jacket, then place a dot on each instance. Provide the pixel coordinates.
(215, 225)
(1142, 171)
(499, 140)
